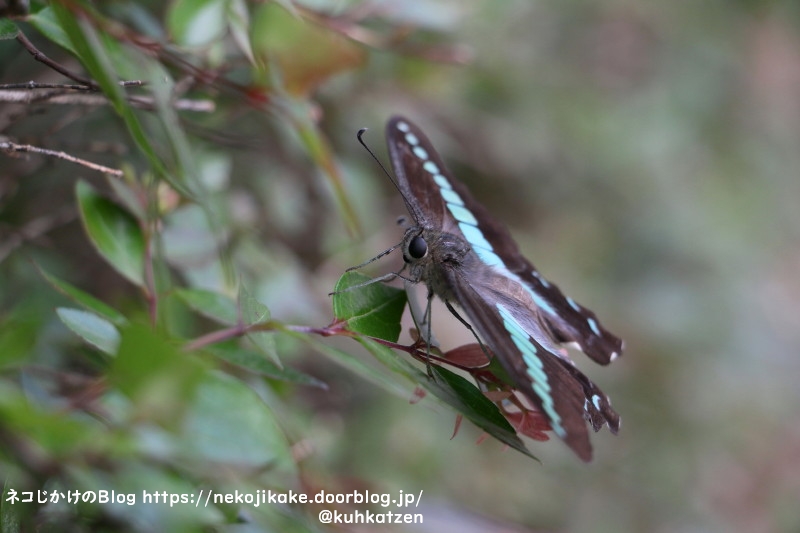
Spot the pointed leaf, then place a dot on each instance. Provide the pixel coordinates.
(84, 299)
(373, 310)
(97, 331)
(45, 21)
(213, 305)
(196, 22)
(114, 233)
(239, 25)
(468, 400)
(255, 362)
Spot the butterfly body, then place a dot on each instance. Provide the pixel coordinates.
(468, 259)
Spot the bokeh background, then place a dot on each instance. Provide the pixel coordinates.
(645, 156)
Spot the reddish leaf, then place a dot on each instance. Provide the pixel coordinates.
(468, 356)
(532, 424)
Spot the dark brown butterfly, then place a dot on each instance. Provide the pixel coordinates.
(468, 259)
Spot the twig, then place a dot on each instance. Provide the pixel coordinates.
(39, 56)
(11, 148)
(66, 86)
(56, 96)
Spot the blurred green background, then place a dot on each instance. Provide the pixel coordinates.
(645, 156)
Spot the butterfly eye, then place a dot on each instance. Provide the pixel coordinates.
(417, 248)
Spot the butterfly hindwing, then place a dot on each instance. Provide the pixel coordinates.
(536, 371)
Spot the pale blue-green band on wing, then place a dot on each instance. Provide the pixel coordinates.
(431, 167)
(462, 214)
(412, 139)
(402, 126)
(420, 152)
(593, 324)
(539, 301)
(451, 197)
(442, 182)
(489, 257)
(474, 236)
(535, 367)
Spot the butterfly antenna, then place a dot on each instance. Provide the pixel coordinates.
(368, 149)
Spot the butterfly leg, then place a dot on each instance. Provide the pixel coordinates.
(391, 276)
(467, 325)
(427, 322)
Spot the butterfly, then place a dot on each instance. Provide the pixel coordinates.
(468, 259)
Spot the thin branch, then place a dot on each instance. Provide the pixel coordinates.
(57, 96)
(36, 85)
(13, 148)
(42, 58)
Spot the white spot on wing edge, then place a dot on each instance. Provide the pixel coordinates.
(451, 197)
(572, 304)
(462, 214)
(420, 152)
(442, 182)
(431, 167)
(402, 126)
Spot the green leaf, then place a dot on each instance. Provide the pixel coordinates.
(155, 374)
(227, 422)
(113, 232)
(373, 310)
(8, 30)
(239, 25)
(84, 299)
(254, 312)
(477, 408)
(197, 22)
(255, 362)
(356, 365)
(95, 330)
(45, 21)
(210, 304)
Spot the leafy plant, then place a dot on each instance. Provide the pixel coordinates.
(171, 364)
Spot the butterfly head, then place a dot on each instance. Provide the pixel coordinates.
(429, 252)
